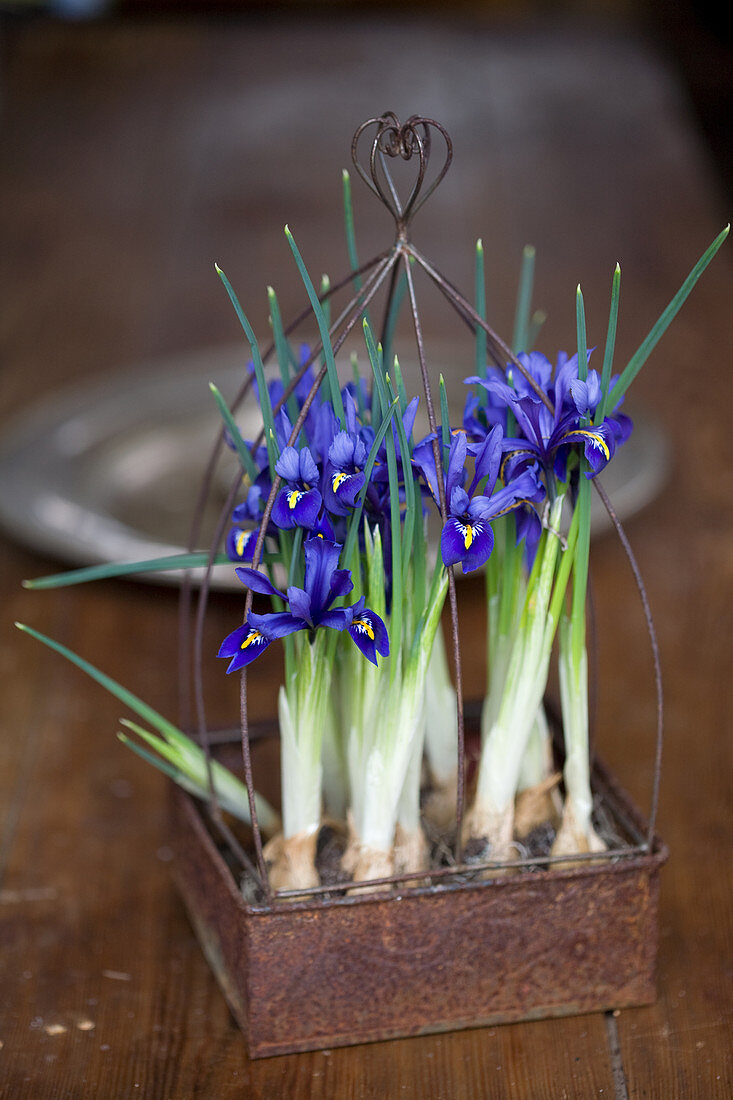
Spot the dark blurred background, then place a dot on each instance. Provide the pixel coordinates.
(694, 36)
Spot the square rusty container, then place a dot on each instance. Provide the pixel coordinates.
(325, 972)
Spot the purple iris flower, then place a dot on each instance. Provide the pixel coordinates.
(299, 501)
(310, 607)
(467, 536)
(521, 495)
(484, 409)
(323, 529)
(250, 509)
(343, 476)
(546, 437)
(539, 369)
(246, 516)
(345, 457)
(587, 395)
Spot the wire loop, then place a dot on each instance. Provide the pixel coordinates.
(391, 140)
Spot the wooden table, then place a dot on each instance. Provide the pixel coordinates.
(135, 154)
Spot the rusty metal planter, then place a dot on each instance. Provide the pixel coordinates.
(476, 945)
(333, 971)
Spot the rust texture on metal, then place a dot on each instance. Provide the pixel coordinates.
(341, 970)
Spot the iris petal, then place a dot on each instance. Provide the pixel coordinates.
(308, 468)
(347, 486)
(299, 603)
(467, 542)
(295, 507)
(321, 559)
(240, 544)
(337, 619)
(456, 463)
(453, 541)
(597, 443)
(276, 624)
(488, 459)
(370, 635)
(258, 582)
(288, 464)
(243, 645)
(341, 451)
(340, 585)
(480, 549)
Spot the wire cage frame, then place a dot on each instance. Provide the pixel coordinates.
(376, 145)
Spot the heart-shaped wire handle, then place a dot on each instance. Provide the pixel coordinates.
(406, 140)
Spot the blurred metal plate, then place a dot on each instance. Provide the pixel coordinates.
(110, 471)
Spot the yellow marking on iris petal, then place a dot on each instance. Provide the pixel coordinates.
(467, 535)
(505, 459)
(253, 637)
(365, 626)
(293, 498)
(240, 542)
(510, 507)
(338, 479)
(598, 439)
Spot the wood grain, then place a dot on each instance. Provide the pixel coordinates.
(136, 153)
